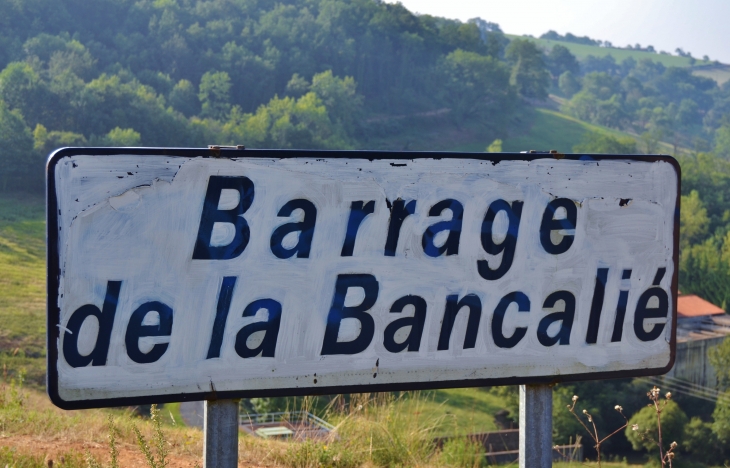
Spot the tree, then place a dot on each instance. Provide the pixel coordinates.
(568, 84)
(722, 141)
(184, 99)
(476, 87)
(700, 440)
(529, 73)
(600, 143)
(21, 87)
(214, 94)
(16, 148)
(673, 423)
(693, 221)
(122, 137)
(719, 357)
(561, 61)
(721, 417)
(339, 96)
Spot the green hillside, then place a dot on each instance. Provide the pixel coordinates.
(542, 130)
(23, 331)
(22, 286)
(719, 73)
(582, 51)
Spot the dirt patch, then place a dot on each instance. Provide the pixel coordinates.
(129, 455)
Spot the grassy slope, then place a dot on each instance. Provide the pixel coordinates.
(581, 51)
(465, 410)
(719, 73)
(22, 314)
(544, 130)
(22, 285)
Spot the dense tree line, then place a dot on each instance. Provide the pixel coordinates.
(301, 73)
(655, 102)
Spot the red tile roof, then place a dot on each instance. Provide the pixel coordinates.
(690, 305)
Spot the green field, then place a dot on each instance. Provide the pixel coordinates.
(22, 286)
(22, 314)
(542, 131)
(464, 410)
(582, 51)
(719, 73)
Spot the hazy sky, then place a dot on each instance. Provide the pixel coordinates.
(701, 27)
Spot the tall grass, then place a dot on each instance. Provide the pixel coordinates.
(380, 429)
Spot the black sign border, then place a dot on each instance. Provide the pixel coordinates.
(53, 274)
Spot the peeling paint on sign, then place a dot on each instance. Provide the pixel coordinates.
(183, 276)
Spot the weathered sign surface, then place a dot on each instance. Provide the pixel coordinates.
(176, 275)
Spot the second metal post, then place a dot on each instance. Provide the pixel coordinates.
(536, 426)
(220, 446)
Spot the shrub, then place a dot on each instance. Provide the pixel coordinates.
(462, 452)
(673, 421)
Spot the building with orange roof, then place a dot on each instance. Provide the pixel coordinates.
(692, 307)
(701, 325)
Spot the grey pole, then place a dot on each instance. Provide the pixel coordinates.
(536, 426)
(220, 446)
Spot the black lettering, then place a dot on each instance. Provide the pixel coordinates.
(399, 212)
(105, 317)
(413, 341)
(523, 305)
(270, 327)
(211, 215)
(221, 316)
(623, 299)
(358, 211)
(453, 306)
(643, 312)
(305, 228)
(594, 319)
(549, 224)
(339, 312)
(135, 331)
(566, 317)
(507, 247)
(451, 246)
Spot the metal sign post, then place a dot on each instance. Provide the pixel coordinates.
(220, 443)
(536, 426)
(211, 274)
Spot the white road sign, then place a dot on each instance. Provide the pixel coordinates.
(176, 275)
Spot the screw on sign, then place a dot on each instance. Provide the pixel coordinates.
(182, 275)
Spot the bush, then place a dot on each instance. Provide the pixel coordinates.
(462, 452)
(315, 454)
(699, 440)
(673, 423)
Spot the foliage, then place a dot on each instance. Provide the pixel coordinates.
(601, 143)
(700, 440)
(673, 422)
(722, 141)
(599, 398)
(315, 454)
(159, 458)
(495, 146)
(476, 86)
(214, 95)
(592, 429)
(644, 96)
(462, 452)
(529, 72)
(560, 61)
(693, 220)
(721, 417)
(568, 84)
(16, 142)
(719, 357)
